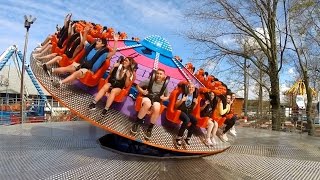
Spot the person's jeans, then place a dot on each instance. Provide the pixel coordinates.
(186, 118)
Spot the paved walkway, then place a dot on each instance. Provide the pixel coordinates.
(68, 150)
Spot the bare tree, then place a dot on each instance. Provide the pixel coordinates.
(257, 77)
(219, 23)
(305, 40)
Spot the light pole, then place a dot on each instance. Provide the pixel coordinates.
(246, 86)
(27, 23)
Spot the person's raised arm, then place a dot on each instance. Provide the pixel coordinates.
(84, 35)
(70, 29)
(115, 38)
(67, 20)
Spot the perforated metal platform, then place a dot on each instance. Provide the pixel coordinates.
(68, 150)
(118, 123)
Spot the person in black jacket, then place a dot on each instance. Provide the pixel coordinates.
(186, 103)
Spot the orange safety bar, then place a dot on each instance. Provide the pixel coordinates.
(123, 35)
(54, 39)
(215, 88)
(208, 82)
(229, 115)
(220, 121)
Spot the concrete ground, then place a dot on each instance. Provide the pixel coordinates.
(68, 150)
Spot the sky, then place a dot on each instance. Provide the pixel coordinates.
(138, 18)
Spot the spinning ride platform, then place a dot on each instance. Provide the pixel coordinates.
(119, 118)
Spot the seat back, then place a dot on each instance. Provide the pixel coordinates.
(202, 121)
(173, 114)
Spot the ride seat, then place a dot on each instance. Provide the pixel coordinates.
(138, 104)
(202, 121)
(139, 98)
(124, 91)
(92, 79)
(173, 114)
(67, 60)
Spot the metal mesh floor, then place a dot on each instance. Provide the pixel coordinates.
(68, 150)
(115, 122)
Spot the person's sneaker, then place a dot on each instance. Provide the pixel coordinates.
(134, 128)
(56, 84)
(35, 55)
(103, 113)
(179, 141)
(187, 141)
(208, 142)
(223, 137)
(148, 134)
(45, 68)
(37, 49)
(39, 63)
(92, 106)
(232, 132)
(213, 141)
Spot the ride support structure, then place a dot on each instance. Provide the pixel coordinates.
(13, 53)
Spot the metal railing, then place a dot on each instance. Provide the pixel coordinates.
(289, 120)
(35, 111)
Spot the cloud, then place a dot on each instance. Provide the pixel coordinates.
(283, 89)
(137, 18)
(164, 13)
(291, 71)
(228, 40)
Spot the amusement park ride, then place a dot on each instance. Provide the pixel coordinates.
(11, 110)
(150, 54)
